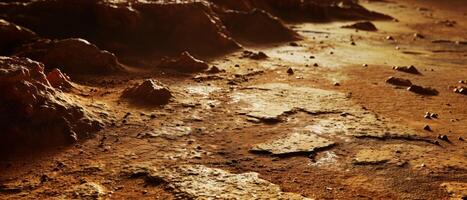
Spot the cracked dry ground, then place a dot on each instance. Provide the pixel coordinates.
(330, 130)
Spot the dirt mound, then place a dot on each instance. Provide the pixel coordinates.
(305, 10)
(33, 113)
(257, 26)
(12, 35)
(150, 92)
(185, 63)
(365, 26)
(73, 56)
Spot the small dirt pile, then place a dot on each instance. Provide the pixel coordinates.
(184, 63)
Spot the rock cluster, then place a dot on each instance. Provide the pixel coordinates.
(33, 112)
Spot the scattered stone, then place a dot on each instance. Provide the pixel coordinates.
(434, 115)
(461, 90)
(337, 84)
(290, 71)
(150, 92)
(389, 38)
(315, 65)
(298, 142)
(364, 65)
(410, 69)
(185, 63)
(73, 56)
(364, 25)
(423, 90)
(463, 81)
(398, 81)
(255, 56)
(461, 138)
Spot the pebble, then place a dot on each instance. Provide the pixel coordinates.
(427, 128)
(315, 65)
(290, 71)
(461, 138)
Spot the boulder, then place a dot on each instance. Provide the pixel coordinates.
(423, 90)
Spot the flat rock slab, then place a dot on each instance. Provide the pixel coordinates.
(271, 101)
(201, 182)
(304, 142)
(372, 157)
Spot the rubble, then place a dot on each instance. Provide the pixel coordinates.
(184, 63)
(150, 92)
(398, 81)
(423, 90)
(12, 36)
(364, 25)
(33, 113)
(73, 56)
(461, 90)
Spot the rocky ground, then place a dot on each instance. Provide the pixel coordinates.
(248, 99)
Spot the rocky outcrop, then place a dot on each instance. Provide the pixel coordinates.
(365, 26)
(73, 56)
(12, 35)
(257, 26)
(33, 113)
(305, 10)
(150, 92)
(184, 63)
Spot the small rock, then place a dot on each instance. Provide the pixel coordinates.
(294, 44)
(365, 26)
(443, 137)
(389, 38)
(337, 84)
(214, 70)
(418, 35)
(315, 65)
(398, 81)
(185, 63)
(365, 65)
(290, 71)
(427, 128)
(423, 90)
(408, 69)
(255, 56)
(461, 90)
(461, 138)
